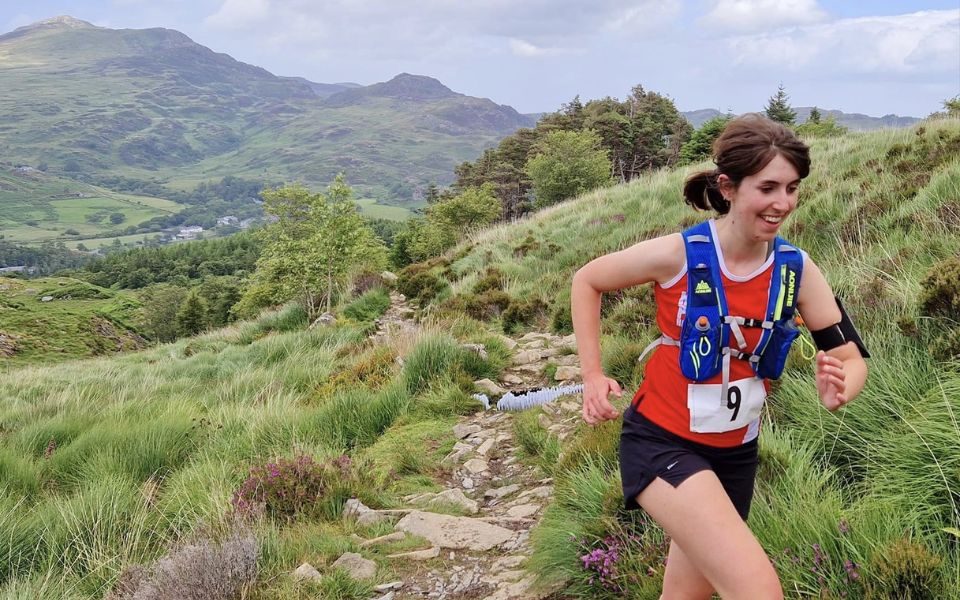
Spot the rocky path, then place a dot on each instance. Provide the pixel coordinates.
(481, 555)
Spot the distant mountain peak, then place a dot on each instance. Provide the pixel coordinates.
(414, 87)
(63, 21)
(404, 86)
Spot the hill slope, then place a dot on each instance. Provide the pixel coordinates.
(111, 464)
(153, 105)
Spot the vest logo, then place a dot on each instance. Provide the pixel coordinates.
(791, 287)
(702, 288)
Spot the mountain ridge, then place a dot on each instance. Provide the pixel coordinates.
(853, 121)
(153, 105)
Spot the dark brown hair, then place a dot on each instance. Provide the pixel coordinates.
(747, 145)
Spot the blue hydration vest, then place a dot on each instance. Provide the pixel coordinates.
(704, 342)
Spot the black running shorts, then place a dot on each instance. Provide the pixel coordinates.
(648, 451)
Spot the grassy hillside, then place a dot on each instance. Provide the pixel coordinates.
(150, 105)
(877, 484)
(76, 321)
(110, 463)
(38, 207)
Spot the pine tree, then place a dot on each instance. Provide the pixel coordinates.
(814, 115)
(778, 108)
(192, 317)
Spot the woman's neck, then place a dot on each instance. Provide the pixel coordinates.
(737, 246)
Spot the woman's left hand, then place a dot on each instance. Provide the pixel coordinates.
(831, 381)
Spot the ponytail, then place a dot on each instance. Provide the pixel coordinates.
(702, 192)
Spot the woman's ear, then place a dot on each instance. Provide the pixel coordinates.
(725, 184)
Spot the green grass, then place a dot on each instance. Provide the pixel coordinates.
(37, 207)
(876, 214)
(75, 324)
(109, 462)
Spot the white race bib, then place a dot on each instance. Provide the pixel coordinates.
(711, 414)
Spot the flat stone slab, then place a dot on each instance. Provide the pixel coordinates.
(476, 466)
(428, 554)
(306, 572)
(358, 566)
(523, 511)
(458, 533)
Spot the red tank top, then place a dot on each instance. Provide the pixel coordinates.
(662, 396)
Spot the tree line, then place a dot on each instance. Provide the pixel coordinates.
(316, 242)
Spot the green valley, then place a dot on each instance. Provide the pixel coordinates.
(96, 104)
(242, 446)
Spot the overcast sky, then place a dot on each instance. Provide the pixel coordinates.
(877, 58)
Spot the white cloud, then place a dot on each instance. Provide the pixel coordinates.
(754, 15)
(240, 14)
(920, 42)
(400, 26)
(645, 16)
(525, 49)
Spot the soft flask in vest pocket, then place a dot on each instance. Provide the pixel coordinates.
(700, 345)
(702, 334)
(774, 355)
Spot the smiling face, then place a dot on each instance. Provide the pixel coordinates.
(762, 201)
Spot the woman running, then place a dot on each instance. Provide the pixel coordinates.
(726, 293)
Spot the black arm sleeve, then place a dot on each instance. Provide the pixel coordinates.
(839, 334)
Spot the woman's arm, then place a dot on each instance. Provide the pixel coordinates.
(652, 260)
(841, 371)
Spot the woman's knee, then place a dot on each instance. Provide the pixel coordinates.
(758, 583)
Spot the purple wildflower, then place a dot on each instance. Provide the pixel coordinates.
(851, 568)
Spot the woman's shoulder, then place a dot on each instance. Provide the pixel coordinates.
(668, 254)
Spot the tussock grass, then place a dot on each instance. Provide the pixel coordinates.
(877, 212)
(109, 463)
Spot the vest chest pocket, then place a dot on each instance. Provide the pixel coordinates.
(711, 414)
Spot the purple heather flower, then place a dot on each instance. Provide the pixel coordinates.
(851, 567)
(818, 555)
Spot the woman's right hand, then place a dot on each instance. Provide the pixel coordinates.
(596, 407)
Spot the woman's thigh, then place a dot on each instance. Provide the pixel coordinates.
(682, 580)
(700, 518)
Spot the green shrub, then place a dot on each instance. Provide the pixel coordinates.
(371, 305)
(946, 345)
(483, 307)
(76, 290)
(940, 300)
(528, 245)
(419, 285)
(288, 487)
(523, 313)
(365, 282)
(940, 290)
(561, 321)
(907, 570)
(492, 279)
